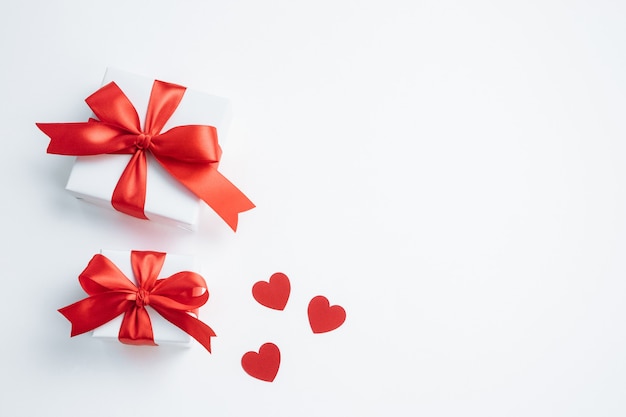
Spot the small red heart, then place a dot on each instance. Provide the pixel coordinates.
(273, 294)
(263, 365)
(323, 317)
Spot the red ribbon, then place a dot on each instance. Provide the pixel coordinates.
(111, 293)
(189, 153)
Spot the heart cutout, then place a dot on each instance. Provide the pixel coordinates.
(323, 317)
(263, 365)
(273, 294)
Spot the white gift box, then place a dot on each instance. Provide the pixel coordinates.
(93, 178)
(164, 332)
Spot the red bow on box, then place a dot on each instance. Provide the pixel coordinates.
(189, 153)
(111, 293)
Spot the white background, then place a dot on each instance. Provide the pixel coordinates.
(450, 172)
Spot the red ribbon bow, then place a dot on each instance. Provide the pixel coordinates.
(111, 293)
(189, 153)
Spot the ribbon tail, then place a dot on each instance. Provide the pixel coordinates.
(189, 324)
(136, 328)
(89, 313)
(225, 198)
(86, 138)
(129, 195)
(206, 182)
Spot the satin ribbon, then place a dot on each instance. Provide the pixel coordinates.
(111, 294)
(190, 153)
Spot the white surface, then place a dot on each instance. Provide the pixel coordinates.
(94, 178)
(163, 331)
(450, 172)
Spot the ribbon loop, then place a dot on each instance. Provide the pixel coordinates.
(111, 106)
(189, 153)
(111, 294)
(164, 99)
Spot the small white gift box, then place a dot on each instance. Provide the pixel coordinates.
(165, 333)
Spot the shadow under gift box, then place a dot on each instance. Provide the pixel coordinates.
(165, 333)
(93, 178)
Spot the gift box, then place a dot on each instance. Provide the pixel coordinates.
(141, 298)
(159, 166)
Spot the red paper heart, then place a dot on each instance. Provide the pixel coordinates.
(273, 294)
(323, 317)
(263, 365)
